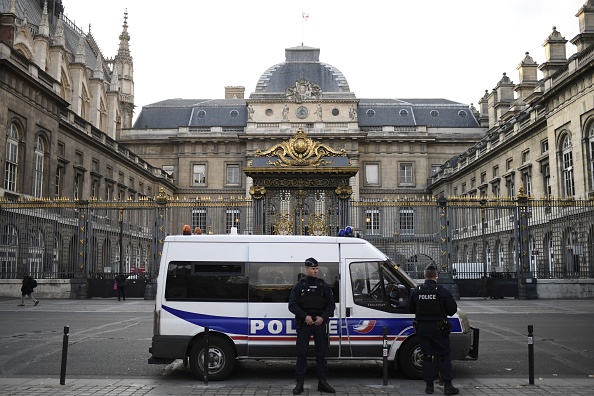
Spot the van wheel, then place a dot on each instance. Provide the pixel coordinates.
(410, 358)
(221, 359)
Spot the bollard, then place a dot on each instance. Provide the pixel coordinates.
(206, 352)
(385, 355)
(530, 355)
(64, 356)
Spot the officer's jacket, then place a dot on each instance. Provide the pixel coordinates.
(443, 295)
(296, 303)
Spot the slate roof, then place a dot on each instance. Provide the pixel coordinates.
(412, 112)
(174, 113)
(302, 63)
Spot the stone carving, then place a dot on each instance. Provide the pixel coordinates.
(301, 150)
(250, 110)
(303, 90)
(286, 113)
(353, 113)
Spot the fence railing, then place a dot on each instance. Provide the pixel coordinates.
(64, 239)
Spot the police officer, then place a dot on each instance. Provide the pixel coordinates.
(432, 304)
(312, 303)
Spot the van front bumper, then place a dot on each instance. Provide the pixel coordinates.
(465, 346)
(165, 349)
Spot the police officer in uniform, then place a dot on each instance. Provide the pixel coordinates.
(312, 303)
(432, 304)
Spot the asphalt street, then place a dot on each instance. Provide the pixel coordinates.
(108, 350)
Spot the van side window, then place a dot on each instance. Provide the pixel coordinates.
(206, 281)
(376, 285)
(272, 282)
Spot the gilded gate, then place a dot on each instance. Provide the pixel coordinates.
(301, 187)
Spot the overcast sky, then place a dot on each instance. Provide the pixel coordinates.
(452, 49)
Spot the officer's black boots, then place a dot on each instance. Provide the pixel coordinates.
(450, 389)
(429, 388)
(323, 386)
(298, 388)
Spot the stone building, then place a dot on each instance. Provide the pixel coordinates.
(64, 105)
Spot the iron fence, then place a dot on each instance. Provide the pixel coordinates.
(471, 238)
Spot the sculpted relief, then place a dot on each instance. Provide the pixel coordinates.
(303, 90)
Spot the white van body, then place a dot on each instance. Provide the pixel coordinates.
(238, 286)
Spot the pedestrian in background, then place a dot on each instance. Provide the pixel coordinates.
(121, 284)
(312, 303)
(197, 231)
(27, 289)
(432, 304)
(186, 230)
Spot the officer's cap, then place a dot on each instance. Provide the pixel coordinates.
(431, 267)
(311, 262)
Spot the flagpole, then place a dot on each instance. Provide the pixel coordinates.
(302, 20)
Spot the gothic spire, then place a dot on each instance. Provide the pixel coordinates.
(124, 48)
(80, 56)
(59, 38)
(44, 25)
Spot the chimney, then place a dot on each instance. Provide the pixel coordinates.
(234, 92)
(586, 36)
(555, 54)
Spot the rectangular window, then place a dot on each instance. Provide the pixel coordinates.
(58, 188)
(199, 219)
(206, 281)
(78, 158)
(109, 192)
(509, 164)
(10, 175)
(372, 222)
(94, 188)
(372, 174)
(544, 145)
(233, 220)
(547, 179)
(407, 222)
(509, 182)
(406, 173)
(483, 177)
(525, 156)
(272, 282)
(38, 174)
(232, 177)
(199, 175)
(77, 193)
(435, 169)
(495, 171)
(527, 182)
(169, 169)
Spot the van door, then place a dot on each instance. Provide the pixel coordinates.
(377, 298)
(274, 268)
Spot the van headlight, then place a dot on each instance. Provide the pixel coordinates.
(464, 323)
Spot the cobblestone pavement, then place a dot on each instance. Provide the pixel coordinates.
(161, 387)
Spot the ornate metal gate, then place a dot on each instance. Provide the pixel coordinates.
(301, 187)
(302, 212)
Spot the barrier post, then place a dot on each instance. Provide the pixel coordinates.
(530, 355)
(206, 353)
(64, 355)
(385, 355)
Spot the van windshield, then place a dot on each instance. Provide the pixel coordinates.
(380, 284)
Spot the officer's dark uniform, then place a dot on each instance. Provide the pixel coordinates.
(312, 297)
(432, 304)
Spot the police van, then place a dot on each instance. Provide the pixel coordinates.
(238, 287)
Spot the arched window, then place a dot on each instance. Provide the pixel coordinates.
(12, 158)
(36, 253)
(591, 153)
(567, 167)
(38, 158)
(499, 247)
(9, 241)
